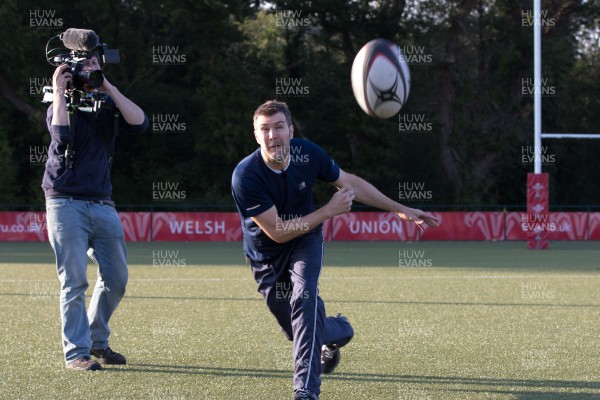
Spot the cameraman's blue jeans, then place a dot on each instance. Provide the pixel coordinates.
(78, 229)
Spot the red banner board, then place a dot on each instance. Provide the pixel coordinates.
(225, 226)
(594, 226)
(568, 226)
(559, 225)
(516, 226)
(137, 226)
(467, 226)
(197, 226)
(373, 226)
(31, 226)
(27, 226)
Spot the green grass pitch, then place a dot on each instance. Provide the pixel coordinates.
(436, 320)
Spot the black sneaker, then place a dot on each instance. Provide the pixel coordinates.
(303, 394)
(330, 358)
(84, 364)
(108, 356)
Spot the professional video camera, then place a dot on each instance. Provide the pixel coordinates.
(79, 45)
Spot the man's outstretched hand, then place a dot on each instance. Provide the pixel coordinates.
(419, 218)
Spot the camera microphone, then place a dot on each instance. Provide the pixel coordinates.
(79, 39)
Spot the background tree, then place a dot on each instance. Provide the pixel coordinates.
(471, 88)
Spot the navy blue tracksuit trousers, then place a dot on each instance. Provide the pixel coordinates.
(289, 284)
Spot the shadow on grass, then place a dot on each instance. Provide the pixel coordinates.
(199, 370)
(520, 389)
(259, 299)
(517, 394)
(434, 303)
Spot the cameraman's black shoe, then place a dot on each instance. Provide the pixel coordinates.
(108, 356)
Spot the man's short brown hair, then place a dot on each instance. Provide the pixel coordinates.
(273, 107)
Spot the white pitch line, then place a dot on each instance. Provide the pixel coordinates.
(464, 277)
(498, 276)
(346, 278)
(184, 279)
(140, 280)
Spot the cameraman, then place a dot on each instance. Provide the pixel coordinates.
(81, 216)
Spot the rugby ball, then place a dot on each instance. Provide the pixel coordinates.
(380, 79)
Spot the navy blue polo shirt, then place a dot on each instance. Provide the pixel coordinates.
(89, 179)
(256, 188)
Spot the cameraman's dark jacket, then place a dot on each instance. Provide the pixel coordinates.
(94, 144)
